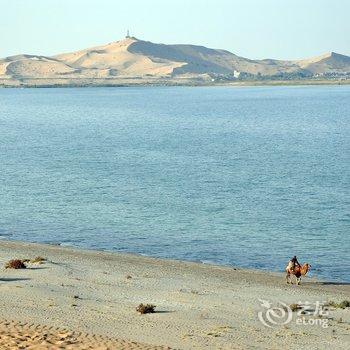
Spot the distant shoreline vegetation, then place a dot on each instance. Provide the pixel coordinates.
(37, 83)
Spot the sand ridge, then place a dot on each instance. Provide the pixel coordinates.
(16, 335)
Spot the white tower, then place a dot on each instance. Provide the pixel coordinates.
(127, 34)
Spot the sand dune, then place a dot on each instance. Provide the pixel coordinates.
(37, 67)
(21, 335)
(141, 60)
(330, 62)
(116, 56)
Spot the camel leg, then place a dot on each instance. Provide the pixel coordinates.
(298, 280)
(288, 278)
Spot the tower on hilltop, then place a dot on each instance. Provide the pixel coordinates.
(127, 34)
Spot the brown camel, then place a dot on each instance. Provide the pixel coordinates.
(298, 271)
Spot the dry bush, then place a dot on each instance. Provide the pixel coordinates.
(331, 303)
(294, 307)
(38, 259)
(342, 305)
(146, 309)
(15, 264)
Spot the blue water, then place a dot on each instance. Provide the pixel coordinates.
(235, 176)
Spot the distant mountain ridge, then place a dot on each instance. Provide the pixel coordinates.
(136, 60)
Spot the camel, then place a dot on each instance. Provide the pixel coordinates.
(297, 272)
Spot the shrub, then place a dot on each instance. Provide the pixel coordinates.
(146, 309)
(38, 259)
(332, 304)
(294, 307)
(15, 264)
(342, 305)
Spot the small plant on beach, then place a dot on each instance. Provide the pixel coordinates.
(15, 264)
(294, 307)
(146, 309)
(342, 305)
(331, 304)
(38, 260)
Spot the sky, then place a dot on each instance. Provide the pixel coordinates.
(281, 29)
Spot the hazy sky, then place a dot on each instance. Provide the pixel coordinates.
(285, 29)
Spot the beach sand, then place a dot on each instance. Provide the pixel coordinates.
(21, 335)
(81, 299)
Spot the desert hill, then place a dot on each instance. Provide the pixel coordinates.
(328, 63)
(142, 61)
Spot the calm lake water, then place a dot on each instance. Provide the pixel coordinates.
(235, 176)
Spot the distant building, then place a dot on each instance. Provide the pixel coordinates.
(236, 73)
(127, 34)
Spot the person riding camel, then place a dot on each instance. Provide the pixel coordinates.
(293, 263)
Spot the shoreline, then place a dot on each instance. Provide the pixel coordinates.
(125, 84)
(198, 305)
(110, 254)
(169, 259)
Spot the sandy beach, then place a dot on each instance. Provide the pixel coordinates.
(86, 300)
